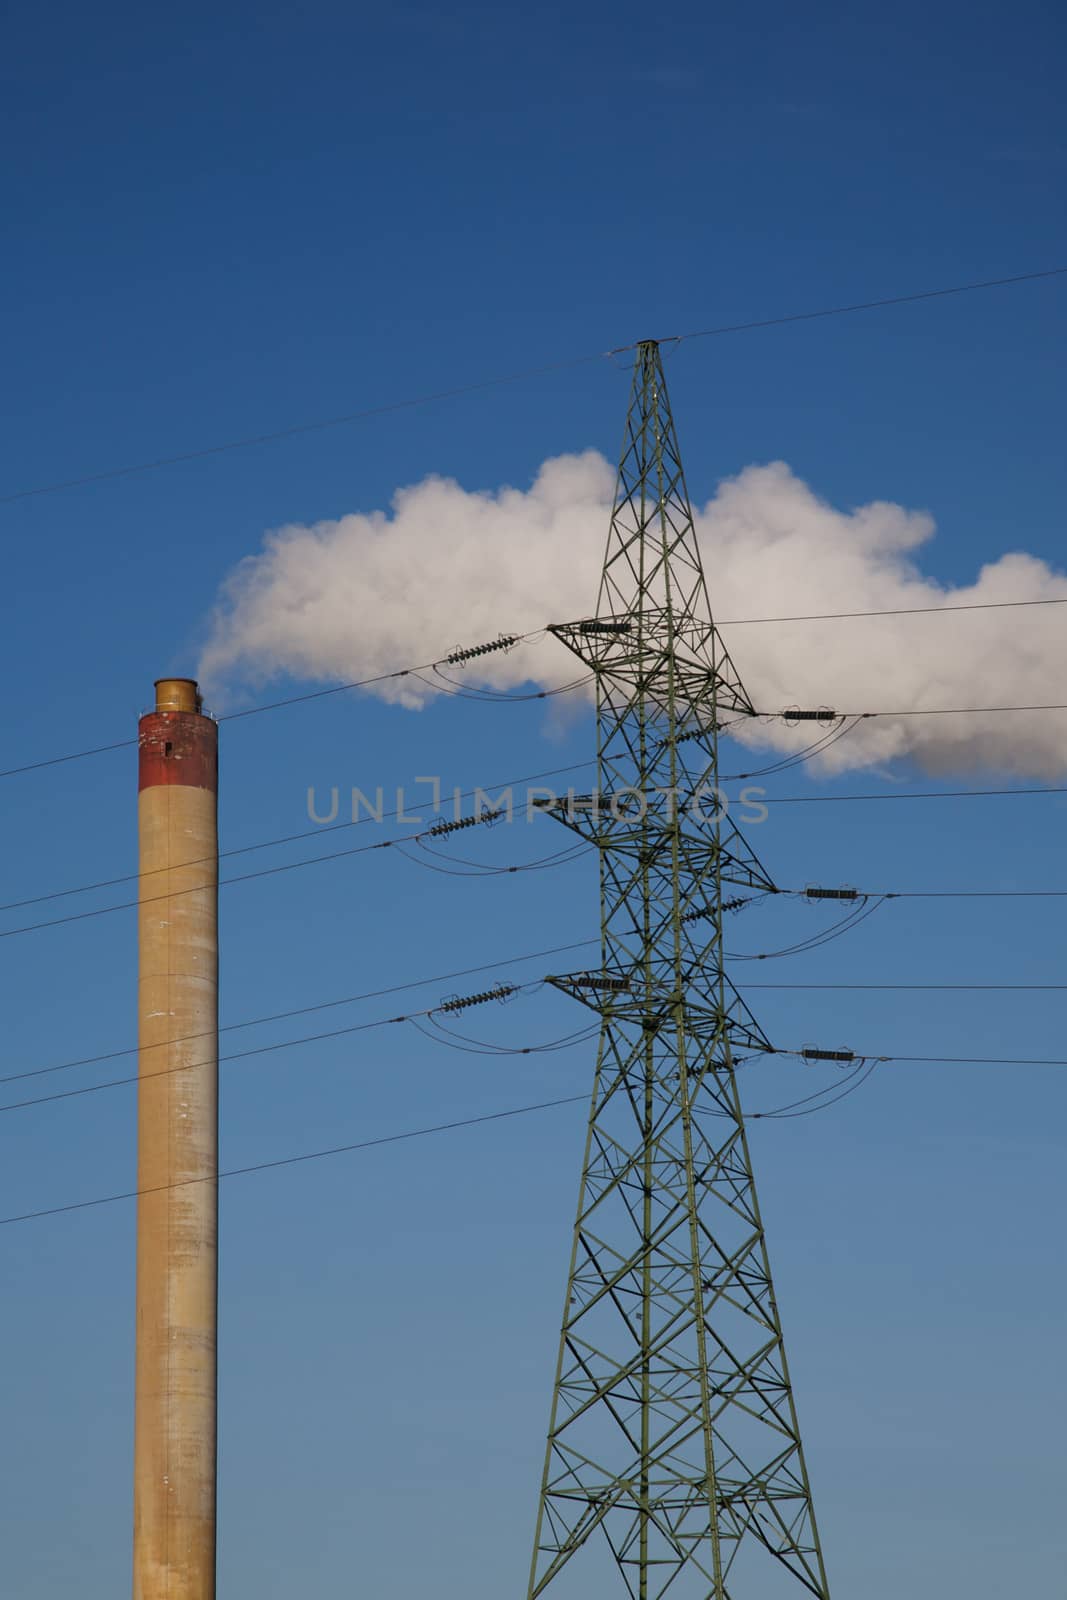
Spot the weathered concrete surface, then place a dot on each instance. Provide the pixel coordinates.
(177, 1221)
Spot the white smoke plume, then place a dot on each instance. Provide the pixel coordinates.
(367, 594)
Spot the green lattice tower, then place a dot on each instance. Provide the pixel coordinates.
(674, 1458)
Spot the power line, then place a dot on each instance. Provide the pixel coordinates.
(946, 894)
(287, 838)
(74, 755)
(242, 877)
(296, 429)
(768, 800)
(414, 671)
(415, 1016)
(464, 1122)
(250, 711)
(897, 611)
(301, 1011)
(980, 988)
(949, 711)
(868, 305)
(311, 1155)
(918, 794)
(960, 1061)
(977, 894)
(174, 894)
(363, 683)
(373, 994)
(983, 1061)
(515, 960)
(822, 1099)
(915, 711)
(412, 402)
(234, 1055)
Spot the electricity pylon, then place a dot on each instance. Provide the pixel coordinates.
(674, 1457)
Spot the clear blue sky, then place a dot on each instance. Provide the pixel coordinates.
(225, 221)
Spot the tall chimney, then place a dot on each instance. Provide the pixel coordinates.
(177, 1168)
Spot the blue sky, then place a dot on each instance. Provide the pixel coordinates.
(221, 225)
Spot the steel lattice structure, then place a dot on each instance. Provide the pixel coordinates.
(674, 1458)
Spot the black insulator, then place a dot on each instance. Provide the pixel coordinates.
(463, 822)
(810, 1053)
(832, 894)
(823, 714)
(596, 626)
(505, 642)
(565, 800)
(461, 1002)
(594, 980)
(709, 911)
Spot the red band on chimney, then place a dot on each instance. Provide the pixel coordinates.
(179, 747)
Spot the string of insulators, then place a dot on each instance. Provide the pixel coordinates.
(831, 894)
(810, 1053)
(464, 822)
(823, 714)
(568, 802)
(696, 733)
(593, 980)
(505, 642)
(709, 911)
(596, 626)
(462, 1001)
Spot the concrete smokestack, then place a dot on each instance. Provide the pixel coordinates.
(177, 1170)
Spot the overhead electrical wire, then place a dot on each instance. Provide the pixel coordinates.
(254, 711)
(915, 794)
(577, 766)
(429, 1012)
(439, 1033)
(823, 1098)
(768, 800)
(263, 872)
(463, 867)
(287, 838)
(894, 611)
(350, 418)
(289, 866)
(961, 1061)
(502, 962)
(464, 1122)
(280, 1016)
(449, 686)
(915, 988)
(924, 711)
(302, 1011)
(866, 906)
(174, 894)
(981, 1061)
(257, 1050)
(415, 671)
(946, 894)
(297, 1160)
(796, 757)
(362, 683)
(864, 305)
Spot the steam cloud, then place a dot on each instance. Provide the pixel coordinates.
(367, 594)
